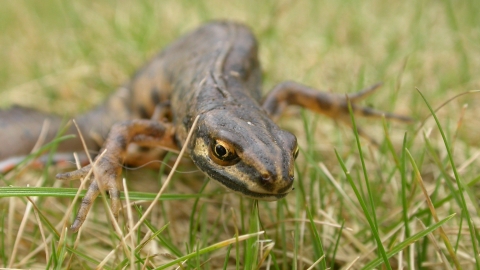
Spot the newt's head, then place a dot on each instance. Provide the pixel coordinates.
(246, 153)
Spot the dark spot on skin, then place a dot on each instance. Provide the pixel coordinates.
(187, 121)
(322, 103)
(86, 201)
(143, 149)
(121, 141)
(155, 130)
(143, 112)
(154, 95)
(368, 111)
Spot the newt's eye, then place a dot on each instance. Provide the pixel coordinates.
(220, 151)
(223, 153)
(295, 152)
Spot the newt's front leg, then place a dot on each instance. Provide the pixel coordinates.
(108, 169)
(333, 105)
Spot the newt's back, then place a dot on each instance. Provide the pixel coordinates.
(180, 66)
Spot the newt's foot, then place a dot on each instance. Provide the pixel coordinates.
(105, 174)
(107, 168)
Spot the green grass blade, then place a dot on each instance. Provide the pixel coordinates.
(373, 228)
(252, 244)
(167, 244)
(460, 183)
(337, 243)
(419, 179)
(405, 203)
(317, 241)
(70, 193)
(371, 216)
(85, 257)
(43, 148)
(364, 167)
(210, 249)
(407, 242)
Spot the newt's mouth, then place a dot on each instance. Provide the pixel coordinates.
(242, 189)
(265, 196)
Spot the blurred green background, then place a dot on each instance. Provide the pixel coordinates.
(57, 52)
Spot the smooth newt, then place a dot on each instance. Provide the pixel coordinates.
(214, 73)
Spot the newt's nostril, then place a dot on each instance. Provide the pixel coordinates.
(266, 177)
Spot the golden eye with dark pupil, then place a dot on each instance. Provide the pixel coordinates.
(223, 153)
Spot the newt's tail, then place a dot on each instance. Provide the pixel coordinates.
(24, 130)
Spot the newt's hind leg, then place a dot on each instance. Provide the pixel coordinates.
(333, 105)
(108, 169)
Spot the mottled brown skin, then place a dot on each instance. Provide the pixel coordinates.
(212, 73)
